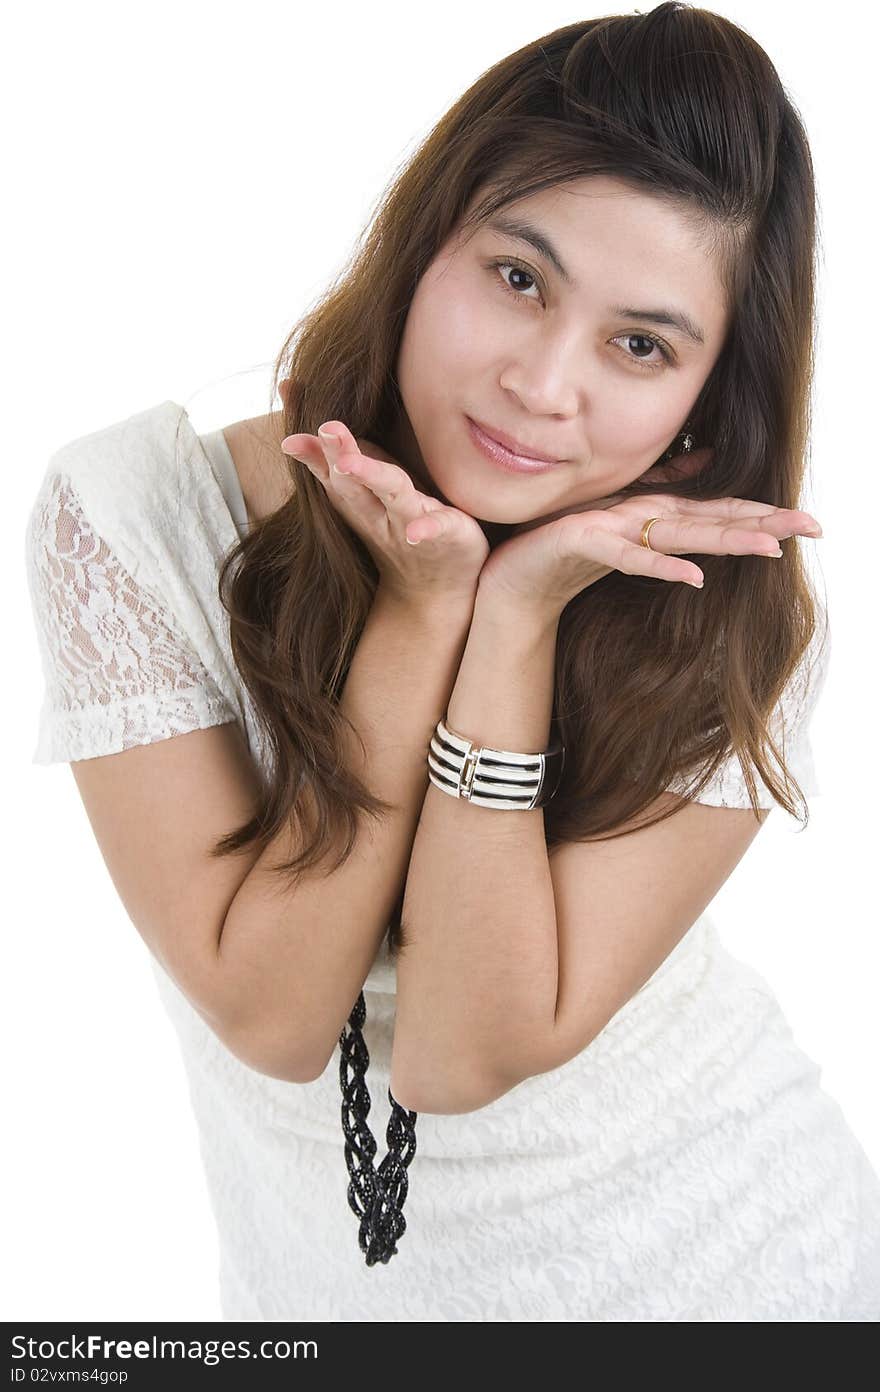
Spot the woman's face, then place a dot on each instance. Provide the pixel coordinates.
(574, 369)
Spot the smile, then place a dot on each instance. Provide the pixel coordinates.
(506, 458)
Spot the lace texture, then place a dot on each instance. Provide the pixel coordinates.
(117, 672)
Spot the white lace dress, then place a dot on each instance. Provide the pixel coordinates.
(686, 1166)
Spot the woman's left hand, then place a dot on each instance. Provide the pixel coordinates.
(546, 565)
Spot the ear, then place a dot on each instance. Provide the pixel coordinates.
(284, 390)
(681, 466)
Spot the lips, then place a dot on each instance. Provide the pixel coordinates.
(515, 446)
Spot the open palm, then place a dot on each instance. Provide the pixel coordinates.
(548, 562)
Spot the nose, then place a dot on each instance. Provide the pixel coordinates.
(546, 379)
(540, 393)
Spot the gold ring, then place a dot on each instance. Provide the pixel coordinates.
(646, 531)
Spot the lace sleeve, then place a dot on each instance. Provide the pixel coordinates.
(790, 726)
(117, 673)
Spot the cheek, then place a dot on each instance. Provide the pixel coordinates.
(649, 422)
(453, 333)
(451, 327)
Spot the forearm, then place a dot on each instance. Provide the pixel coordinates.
(300, 957)
(478, 980)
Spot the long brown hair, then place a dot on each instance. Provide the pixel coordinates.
(681, 104)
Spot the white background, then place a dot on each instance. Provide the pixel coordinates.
(185, 179)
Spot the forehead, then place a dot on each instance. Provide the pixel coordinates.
(623, 245)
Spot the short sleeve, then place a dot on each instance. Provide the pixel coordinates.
(790, 726)
(117, 671)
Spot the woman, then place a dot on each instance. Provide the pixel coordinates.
(601, 259)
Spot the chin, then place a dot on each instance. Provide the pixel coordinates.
(482, 508)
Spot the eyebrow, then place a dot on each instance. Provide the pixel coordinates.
(527, 232)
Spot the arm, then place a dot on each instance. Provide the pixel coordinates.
(299, 961)
(477, 983)
(515, 960)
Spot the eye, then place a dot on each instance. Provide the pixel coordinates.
(521, 270)
(667, 357)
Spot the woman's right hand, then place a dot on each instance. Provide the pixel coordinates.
(379, 501)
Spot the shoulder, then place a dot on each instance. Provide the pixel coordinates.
(130, 465)
(142, 433)
(144, 439)
(263, 470)
(126, 477)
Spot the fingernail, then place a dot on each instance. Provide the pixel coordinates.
(291, 443)
(812, 531)
(329, 438)
(775, 553)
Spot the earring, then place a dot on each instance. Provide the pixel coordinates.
(687, 444)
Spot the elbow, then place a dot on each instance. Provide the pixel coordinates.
(266, 1052)
(445, 1095)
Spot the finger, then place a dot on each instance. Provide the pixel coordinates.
(387, 481)
(319, 453)
(307, 450)
(363, 481)
(394, 489)
(779, 522)
(413, 513)
(425, 528)
(712, 537)
(750, 513)
(343, 456)
(346, 493)
(344, 484)
(613, 549)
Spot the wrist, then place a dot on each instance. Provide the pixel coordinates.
(441, 612)
(532, 618)
(503, 694)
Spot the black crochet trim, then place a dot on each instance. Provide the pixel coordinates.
(375, 1197)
